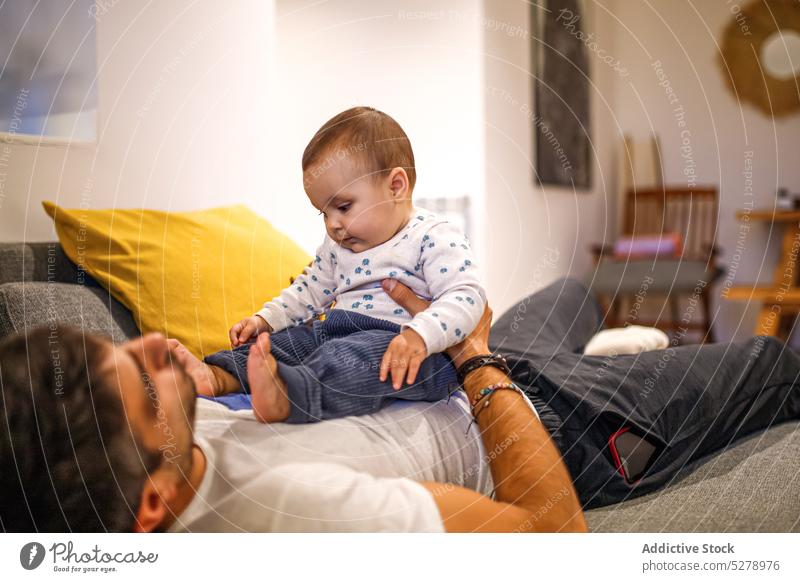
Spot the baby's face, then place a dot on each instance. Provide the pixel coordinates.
(360, 212)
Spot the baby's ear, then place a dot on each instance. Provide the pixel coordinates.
(398, 182)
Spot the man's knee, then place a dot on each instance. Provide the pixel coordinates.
(567, 288)
(574, 290)
(571, 285)
(765, 344)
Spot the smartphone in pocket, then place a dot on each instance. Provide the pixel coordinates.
(632, 454)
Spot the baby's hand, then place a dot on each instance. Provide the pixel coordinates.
(247, 328)
(406, 352)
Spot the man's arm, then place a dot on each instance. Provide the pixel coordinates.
(534, 491)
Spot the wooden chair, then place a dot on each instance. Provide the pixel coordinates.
(691, 213)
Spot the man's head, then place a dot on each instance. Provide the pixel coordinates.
(94, 437)
(358, 170)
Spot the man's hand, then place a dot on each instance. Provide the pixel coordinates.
(405, 353)
(247, 328)
(475, 344)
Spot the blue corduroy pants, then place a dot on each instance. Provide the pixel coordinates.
(332, 367)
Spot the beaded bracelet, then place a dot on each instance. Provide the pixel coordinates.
(485, 396)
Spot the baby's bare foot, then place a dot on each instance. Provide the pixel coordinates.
(267, 389)
(205, 382)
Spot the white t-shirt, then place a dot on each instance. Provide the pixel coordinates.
(349, 474)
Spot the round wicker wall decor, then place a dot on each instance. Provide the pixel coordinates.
(760, 55)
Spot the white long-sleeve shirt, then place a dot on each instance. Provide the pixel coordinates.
(429, 255)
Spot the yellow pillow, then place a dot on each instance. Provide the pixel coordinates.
(188, 275)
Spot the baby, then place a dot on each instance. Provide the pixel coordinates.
(359, 173)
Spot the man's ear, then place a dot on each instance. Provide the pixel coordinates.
(157, 494)
(398, 184)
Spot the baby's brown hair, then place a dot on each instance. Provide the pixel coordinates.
(371, 135)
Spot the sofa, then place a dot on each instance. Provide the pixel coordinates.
(752, 486)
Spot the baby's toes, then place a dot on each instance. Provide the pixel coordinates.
(263, 344)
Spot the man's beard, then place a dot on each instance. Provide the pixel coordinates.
(187, 394)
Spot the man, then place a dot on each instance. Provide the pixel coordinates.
(625, 425)
(100, 437)
(688, 401)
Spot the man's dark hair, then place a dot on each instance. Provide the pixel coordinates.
(371, 136)
(68, 460)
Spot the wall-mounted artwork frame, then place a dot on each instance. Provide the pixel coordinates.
(561, 91)
(48, 71)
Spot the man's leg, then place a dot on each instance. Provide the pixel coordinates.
(560, 318)
(689, 401)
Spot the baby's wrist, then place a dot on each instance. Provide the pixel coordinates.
(263, 324)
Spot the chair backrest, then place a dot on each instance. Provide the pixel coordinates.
(692, 213)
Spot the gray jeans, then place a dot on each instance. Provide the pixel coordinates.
(688, 400)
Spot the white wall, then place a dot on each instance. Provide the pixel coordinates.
(183, 118)
(684, 37)
(536, 234)
(418, 61)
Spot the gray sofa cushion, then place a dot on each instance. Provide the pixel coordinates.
(26, 305)
(39, 268)
(753, 486)
(16, 263)
(39, 261)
